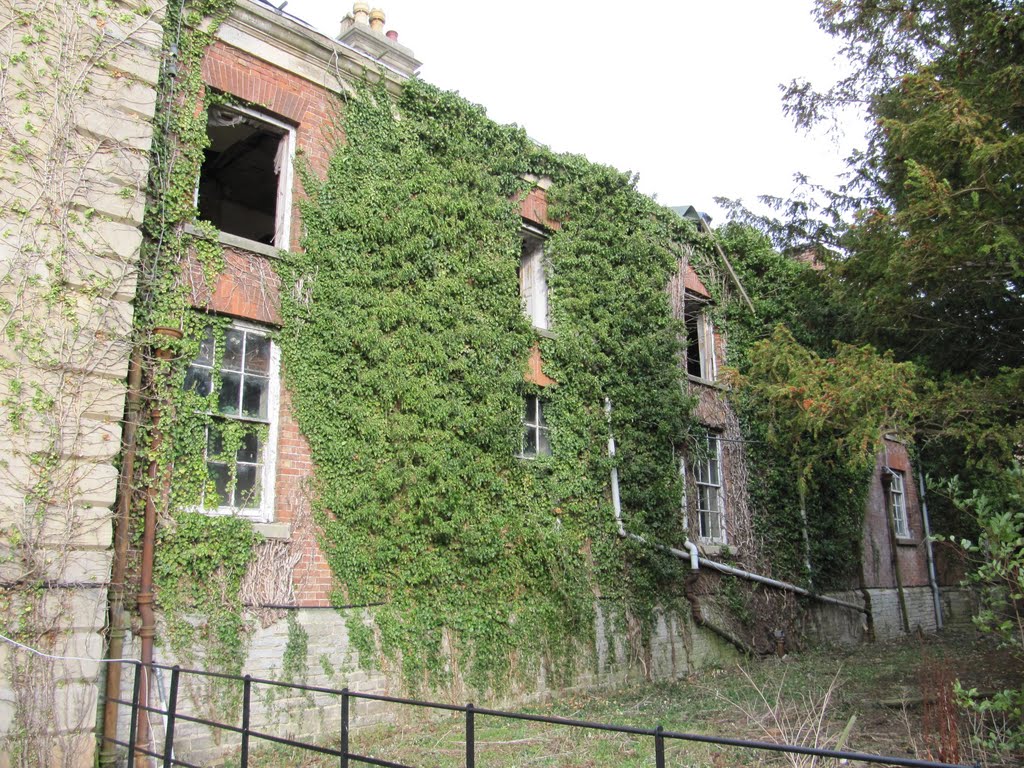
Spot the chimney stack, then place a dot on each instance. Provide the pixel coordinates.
(363, 30)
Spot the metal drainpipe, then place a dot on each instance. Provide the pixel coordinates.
(691, 548)
(932, 579)
(115, 647)
(145, 599)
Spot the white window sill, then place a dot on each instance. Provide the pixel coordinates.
(710, 547)
(545, 333)
(241, 243)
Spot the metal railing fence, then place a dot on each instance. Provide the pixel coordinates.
(173, 714)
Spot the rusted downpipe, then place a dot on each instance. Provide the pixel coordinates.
(147, 630)
(115, 647)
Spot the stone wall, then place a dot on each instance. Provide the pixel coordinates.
(832, 624)
(676, 648)
(77, 96)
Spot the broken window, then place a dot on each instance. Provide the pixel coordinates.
(244, 183)
(533, 283)
(535, 429)
(240, 371)
(898, 505)
(710, 492)
(700, 342)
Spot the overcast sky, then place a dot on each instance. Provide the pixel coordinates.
(684, 93)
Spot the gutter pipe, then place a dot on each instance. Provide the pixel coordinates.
(933, 581)
(691, 553)
(145, 599)
(115, 647)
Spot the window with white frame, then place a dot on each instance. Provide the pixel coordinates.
(710, 492)
(700, 342)
(238, 372)
(898, 505)
(535, 429)
(245, 180)
(533, 283)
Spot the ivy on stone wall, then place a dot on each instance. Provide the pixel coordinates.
(405, 347)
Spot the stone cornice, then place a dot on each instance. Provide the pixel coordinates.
(296, 47)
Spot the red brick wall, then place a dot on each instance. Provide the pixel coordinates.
(312, 577)
(534, 208)
(910, 553)
(249, 288)
(313, 110)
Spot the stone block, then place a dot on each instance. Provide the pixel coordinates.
(118, 201)
(125, 94)
(141, 65)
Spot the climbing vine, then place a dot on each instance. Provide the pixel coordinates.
(405, 352)
(200, 559)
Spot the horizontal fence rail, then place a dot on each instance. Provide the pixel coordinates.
(171, 714)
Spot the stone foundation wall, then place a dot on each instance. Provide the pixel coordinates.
(834, 624)
(676, 648)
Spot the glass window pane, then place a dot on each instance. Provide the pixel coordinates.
(234, 342)
(257, 354)
(255, 397)
(214, 444)
(220, 476)
(250, 448)
(198, 380)
(206, 346)
(230, 386)
(531, 410)
(247, 488)
(530, 442)
(543, 445)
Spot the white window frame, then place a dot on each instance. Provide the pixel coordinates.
(533, 280)
(705, 331)
(283, 208)
(538, 426)
(709, 481)
(264, 513)
(898, 504)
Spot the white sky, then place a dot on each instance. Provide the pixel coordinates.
(684, 93)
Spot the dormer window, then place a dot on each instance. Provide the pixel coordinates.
(245, 181)
(533, 283)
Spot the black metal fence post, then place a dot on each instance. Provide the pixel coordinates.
(133, 721)
(344, 728)
(470, 737)
(246, 696)
(172, 710)
(659, 746)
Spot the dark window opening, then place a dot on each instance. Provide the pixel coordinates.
(240, 181)
(694, 365)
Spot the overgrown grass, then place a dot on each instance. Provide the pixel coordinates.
(809, 699)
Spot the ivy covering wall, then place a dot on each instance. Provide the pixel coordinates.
(405, 347)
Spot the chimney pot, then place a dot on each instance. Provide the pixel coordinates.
(392, 35)
(377, 20)
(361, 12)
